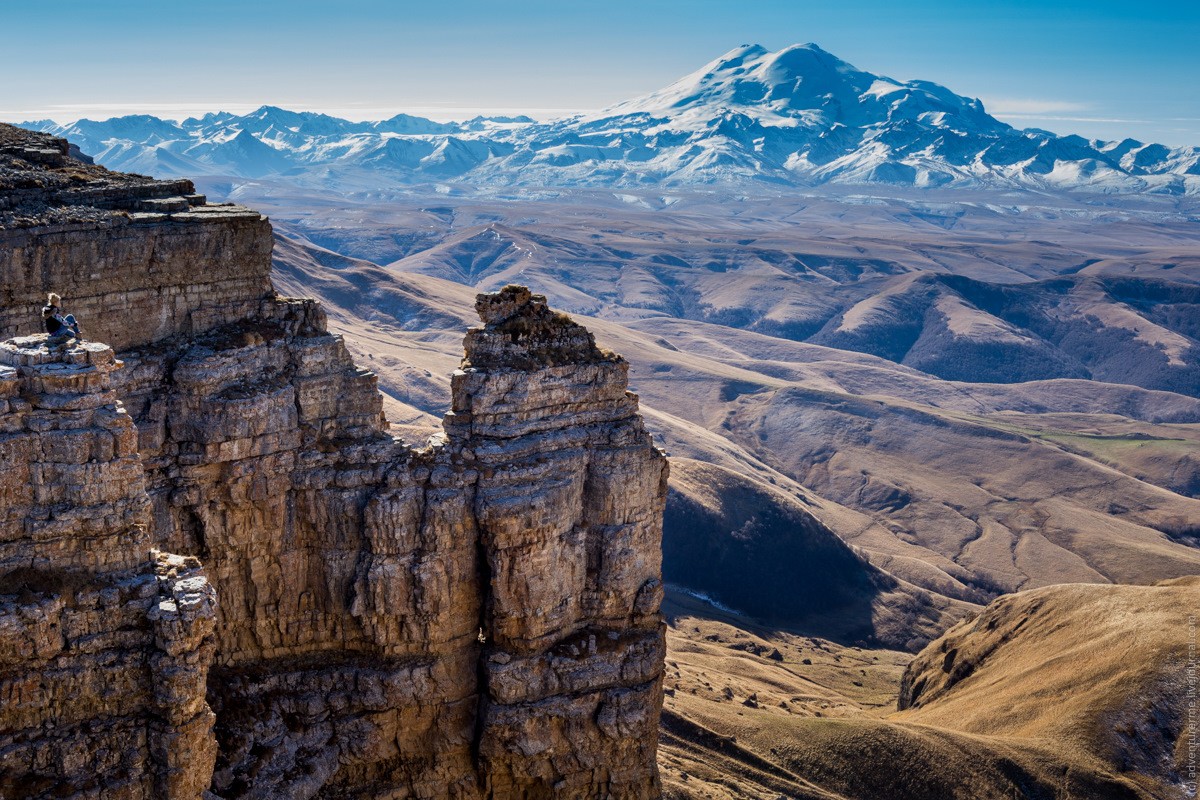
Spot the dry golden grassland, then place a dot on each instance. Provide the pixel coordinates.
(1072, 691)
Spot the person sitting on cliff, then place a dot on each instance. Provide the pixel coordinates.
(62, 329)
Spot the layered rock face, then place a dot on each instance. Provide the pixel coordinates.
(568, 503)
(105, 644)
(475, 618)
(77, 228)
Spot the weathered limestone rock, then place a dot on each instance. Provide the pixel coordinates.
(73, 486)
(569, 505)
(345, 563)
(77, 229)
(105, 645)
(477, 618)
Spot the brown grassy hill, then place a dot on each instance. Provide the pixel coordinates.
(1119, 330)
(985, 299)
(1090, 672)
(965, 503)
(762, 549)
(1064, 692)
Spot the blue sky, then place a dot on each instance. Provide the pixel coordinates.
(1102, 69)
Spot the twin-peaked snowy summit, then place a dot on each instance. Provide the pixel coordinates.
(805, 84)
(797, 116)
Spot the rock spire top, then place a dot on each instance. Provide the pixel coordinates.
(522, 332)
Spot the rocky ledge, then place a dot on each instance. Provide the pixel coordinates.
(141, 260)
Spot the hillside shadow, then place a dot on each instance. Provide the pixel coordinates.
(750, 553)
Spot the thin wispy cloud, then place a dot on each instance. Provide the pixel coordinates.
(1030, 106)
(1070, 118)
(1044, 110)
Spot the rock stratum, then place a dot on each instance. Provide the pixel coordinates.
(221, 576)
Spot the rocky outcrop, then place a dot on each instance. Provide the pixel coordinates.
(105, 644)
(477, 617)
(568, 504)
(140, 260)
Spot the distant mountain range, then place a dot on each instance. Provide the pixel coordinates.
(796, 117)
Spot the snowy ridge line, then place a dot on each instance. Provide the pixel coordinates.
(796, 117)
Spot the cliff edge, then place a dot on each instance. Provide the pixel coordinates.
(221, 577)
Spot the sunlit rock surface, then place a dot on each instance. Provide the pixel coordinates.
(476, 617)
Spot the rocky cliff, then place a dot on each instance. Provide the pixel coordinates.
(341, 614)
(105, 644)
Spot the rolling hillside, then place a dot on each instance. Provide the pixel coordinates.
(952, 492)
(1068, 691)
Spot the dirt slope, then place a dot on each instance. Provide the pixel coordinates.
(1073, 691)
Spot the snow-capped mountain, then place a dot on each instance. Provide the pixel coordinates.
(801, 86)
(799, 116)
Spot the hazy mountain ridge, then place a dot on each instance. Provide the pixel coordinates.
(1110, 315)
(796, 117)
